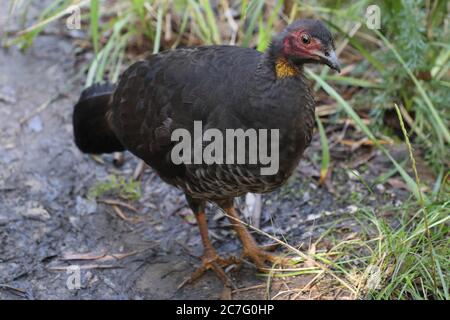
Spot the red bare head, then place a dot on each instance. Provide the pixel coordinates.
(306, 41)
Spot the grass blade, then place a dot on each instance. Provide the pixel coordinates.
(325, 151)
(256, 7)
(350, 112)
(94, 15)
(157, 43)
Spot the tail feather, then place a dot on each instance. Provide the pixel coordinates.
(92, 132)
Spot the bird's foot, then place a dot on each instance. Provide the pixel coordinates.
(211, 261)
(261, 257)
(270, 247)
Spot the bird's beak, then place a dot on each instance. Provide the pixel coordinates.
(331, 60)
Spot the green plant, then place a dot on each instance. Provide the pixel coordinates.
(129, 190)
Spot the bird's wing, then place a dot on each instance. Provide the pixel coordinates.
(173, 89)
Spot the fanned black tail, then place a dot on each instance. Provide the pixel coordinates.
(92, 131)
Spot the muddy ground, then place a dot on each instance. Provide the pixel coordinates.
(46, 214)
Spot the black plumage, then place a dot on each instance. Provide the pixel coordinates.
(224, 87)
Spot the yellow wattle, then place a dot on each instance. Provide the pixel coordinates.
(284, 69)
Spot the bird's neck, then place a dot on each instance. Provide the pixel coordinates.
(276, 63)
(277, 73)
(285, 69)
(280, 65)
(281, 84)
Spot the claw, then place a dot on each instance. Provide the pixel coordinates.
(270, 247)
(211, 261)
(260, 256)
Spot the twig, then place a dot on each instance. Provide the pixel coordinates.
(139, 170)
(86, 266)
(41, 108)
(52, 18)
(118, 203)
(97, 159)
(15, 290)
(259, 286)
(120, 213)
(118, 159)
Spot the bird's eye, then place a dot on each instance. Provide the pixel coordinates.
(306, 39)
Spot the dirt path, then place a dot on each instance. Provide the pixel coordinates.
(45, 214)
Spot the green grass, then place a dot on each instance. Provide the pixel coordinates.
(409, 269)
(117, 186)
(405, 256)
(402, 67)
(325, 151)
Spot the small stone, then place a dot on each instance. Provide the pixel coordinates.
(312, 186)
(310, 217)
(34, 185)
(74, 221)
(35, 124)
(85, 206)
(3, 220)
(354, 175)
(306, 197)
(273, 230)
(38, 213)
(8, 94)
(352, 209)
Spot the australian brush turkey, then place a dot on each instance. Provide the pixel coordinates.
(223, 87)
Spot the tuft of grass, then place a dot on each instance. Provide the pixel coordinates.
(421, 198)
(119, 186)
(387, 259)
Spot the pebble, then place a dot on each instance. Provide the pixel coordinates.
(310, 217)
(38, 213)
(380, 188)
(306, 197)
(352, 209)
(3, 220)
(35, 124)
(8, 94)
(84, 206)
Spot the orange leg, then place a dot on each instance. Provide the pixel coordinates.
(210, 259)
(257, 254)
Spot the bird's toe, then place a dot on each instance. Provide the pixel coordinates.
(211, 261)
(264, 260)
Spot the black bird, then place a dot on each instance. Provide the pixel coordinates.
(224, 87)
